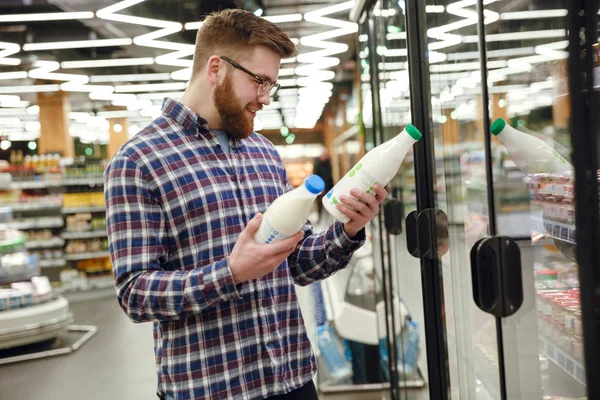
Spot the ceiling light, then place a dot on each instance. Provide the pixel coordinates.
(277, 19)
(150, 87)
(193, 26)
(29, 89)
(118, 114)
(33, 110)
(46, 16)
(530, 35)
(435, 9)
(159, 96)
(13, 75)
(76, 44)
(130, 78)
(8, 49)
(533, 14)
(108, 63)
(118, 128)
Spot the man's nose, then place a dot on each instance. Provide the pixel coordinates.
(264, 99)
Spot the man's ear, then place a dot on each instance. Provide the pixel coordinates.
(212, 69)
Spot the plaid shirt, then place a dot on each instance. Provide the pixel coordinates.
(176, 204)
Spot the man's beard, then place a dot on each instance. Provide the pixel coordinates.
(233, 120)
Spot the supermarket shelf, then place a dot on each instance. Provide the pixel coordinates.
(557, 230)
(45, 244)
(34, 206)
(75, 210)
(56, 183)
(34, 323)
(50, 263)
(85, 256)
(83, 235)
(23, 273)
(33, 223)
(81, 295)
(563, 360)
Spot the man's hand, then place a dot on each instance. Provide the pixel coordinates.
(361, 209)
(250, 260)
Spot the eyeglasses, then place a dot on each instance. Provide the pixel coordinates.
(264, 86)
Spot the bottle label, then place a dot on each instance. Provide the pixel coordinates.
(357, 178)
(268, 234)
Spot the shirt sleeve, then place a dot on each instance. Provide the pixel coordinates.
(320, 255)
(139, 240)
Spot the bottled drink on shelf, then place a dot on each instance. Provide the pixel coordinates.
(531, 154)
(378, 166)
(332, 353)
(289, 212)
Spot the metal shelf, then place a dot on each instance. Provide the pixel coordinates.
(83, 235)
(563, 360)
(34, 206)
(86, 256)
(45, 244)
(93, 181)
(557, 230)
(76, 210)
(33, 223)
(52, 263)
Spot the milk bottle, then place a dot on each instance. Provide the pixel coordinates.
(289, 212)
(378, 166)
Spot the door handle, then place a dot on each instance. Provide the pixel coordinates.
(496, 275)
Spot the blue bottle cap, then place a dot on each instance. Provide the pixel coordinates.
(315, 184)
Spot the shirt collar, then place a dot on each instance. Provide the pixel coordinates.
(192, 123)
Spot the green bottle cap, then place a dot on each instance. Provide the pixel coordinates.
(413, 132)
(498, 126)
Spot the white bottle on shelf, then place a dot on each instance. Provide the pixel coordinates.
(289, 212)
(531, 154)
(378, 166)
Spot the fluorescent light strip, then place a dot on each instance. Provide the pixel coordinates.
(159, 96)
(474, 55)
(193, 26)
(29, 89)
(435, 9)
(118, 114)
(466, 66)
(130, 78)
(278, 19)
(8, 49)
(500, 37)
(534, 14)
(150, 87)
(46, 16)
(76, 44)
(13, 75)
(107, 63)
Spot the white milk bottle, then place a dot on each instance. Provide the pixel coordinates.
(531, 154)
(378, 166)
(289, 212)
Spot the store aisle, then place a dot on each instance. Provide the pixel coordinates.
(116, 364)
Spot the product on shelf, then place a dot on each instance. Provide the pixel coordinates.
(531, 154)
(85, 222)
(86, 246)
(26, 293)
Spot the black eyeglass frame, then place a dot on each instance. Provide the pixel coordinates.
(264, 85)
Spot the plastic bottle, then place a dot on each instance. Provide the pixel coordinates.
(408, 353)
(332, 353)
(531, 154)
(289, 212)
(378, 166)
